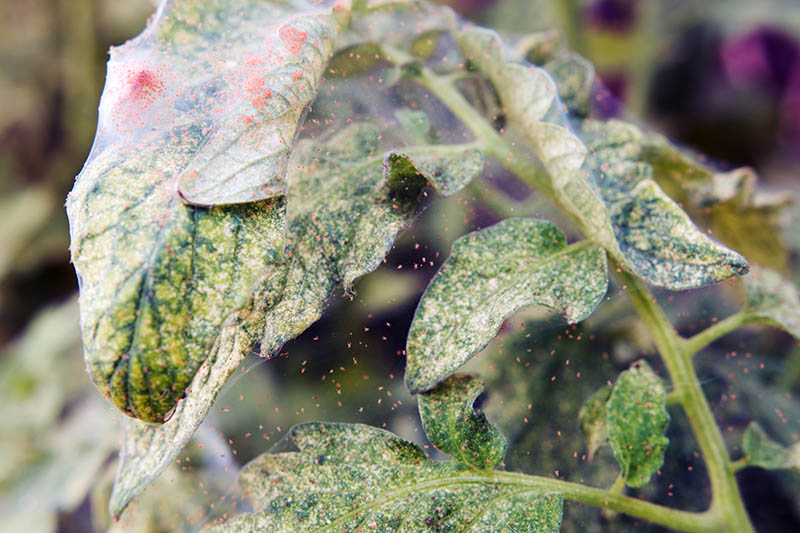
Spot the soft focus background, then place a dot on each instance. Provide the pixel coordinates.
(721, 78)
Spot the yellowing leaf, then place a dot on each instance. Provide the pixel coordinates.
(612, 197)
(342, 220)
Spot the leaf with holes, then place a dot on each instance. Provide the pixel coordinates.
(348, 478)
(455, 427)
(489, 275)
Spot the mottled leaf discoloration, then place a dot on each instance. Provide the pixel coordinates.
(198, 116)
(490, 274)
(597, 178)
(456, 427)
(637, 418)
(348, 478)
(342, 220)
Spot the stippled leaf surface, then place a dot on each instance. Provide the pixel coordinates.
(594, 419)
(773, 300)
(348, 478)
(637, 418)
(489, 275)
(760, 450)
(652, 231)
(202, 107)
(740, 215)
(456, 427)
(342, 221)
(613, 199)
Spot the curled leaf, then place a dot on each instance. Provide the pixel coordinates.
(489, 275)
(351, 477)
(455, 427)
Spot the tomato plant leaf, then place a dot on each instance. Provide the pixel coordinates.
(594, 419)
(342, 220)
(637, 418)
(199, 105)
(728, 203)
(241, 72)
(354, 477)
(456, 427)
(613, 198)
(489, 275)
(772, 300)
(760, 450)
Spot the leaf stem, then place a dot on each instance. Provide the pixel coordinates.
(658, 514)
(727, 509)
(694, 344)
(618, 486)
(726, 502)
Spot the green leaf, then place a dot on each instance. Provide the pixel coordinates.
(760, 450)
(354, 478)
(198, 105)
(415, 122)
(656, 237)
(637, 419)
(339, 229)
(574, 77)
(455, 427)
(772, 300)
(606, 191)
(594, 419)
(490, 274)
(729, 203)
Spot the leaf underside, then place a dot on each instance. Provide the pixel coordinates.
(359, 478)
(342, 220)
(198, 109)
(455, 427)
(489, 275)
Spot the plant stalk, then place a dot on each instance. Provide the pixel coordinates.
(727, 509)
(726, 501)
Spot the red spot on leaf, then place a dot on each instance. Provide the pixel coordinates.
(293, 38)
(144, 86)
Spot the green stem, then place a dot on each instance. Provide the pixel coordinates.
(696, 343)
(727, 509)
(618, 486)
(658, 514)
(726, 502)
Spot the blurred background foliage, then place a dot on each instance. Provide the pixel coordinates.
(720, 78)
